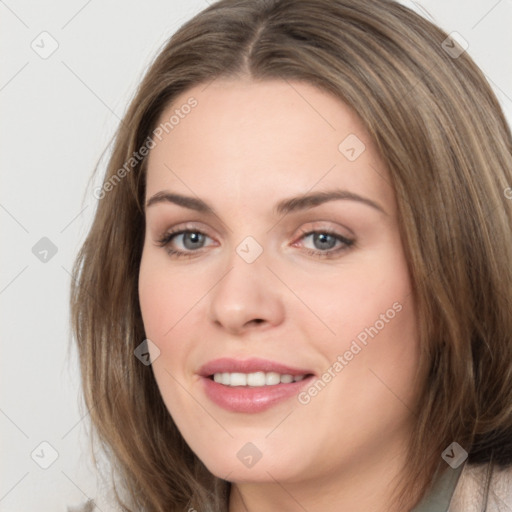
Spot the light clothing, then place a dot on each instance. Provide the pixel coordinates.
(464, 490)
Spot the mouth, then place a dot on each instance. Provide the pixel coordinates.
(256, 379)
(253, 385)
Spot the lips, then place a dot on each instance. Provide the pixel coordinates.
(227, 365)
(243, 398)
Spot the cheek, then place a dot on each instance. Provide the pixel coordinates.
(371, 315)
(164, 303)
(165, 295)
(380, 341)
(358, 298)
(172, 313)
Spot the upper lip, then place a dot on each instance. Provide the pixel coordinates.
(229, 365)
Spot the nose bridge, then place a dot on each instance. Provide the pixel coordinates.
(245, 294)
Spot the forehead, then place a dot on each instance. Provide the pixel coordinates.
(272, 138)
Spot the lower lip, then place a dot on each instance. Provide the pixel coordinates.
(251, 399)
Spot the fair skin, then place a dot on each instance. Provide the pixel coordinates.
(245, 147)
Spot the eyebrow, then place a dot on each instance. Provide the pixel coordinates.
(284, 207)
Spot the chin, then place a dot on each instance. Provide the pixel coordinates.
(245, 462)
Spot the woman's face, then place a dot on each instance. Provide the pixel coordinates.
(292, 270)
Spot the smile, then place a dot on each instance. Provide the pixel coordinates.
(256, 379)
(253, 385)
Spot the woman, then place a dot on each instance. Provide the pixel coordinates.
(296, 291)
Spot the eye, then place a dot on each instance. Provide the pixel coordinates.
(190, 240)
(326, 243)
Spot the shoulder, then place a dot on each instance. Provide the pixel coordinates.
(470, 494)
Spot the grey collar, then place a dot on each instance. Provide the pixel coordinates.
(440, 495)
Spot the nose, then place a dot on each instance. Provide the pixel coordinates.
(246, 297)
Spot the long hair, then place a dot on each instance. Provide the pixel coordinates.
(446, 143)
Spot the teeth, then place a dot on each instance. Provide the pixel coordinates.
(256, 379)
(238, 379)
(272, 378)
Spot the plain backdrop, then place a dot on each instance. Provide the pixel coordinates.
(59, 111)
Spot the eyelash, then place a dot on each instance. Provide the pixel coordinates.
(165, 240)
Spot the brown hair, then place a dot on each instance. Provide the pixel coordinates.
(444, 139)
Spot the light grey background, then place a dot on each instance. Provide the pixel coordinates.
(58, 115)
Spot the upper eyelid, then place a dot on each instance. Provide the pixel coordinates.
(187, 227)
(302, 231)
(198, 226)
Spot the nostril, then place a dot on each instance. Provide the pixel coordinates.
(255, 321)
